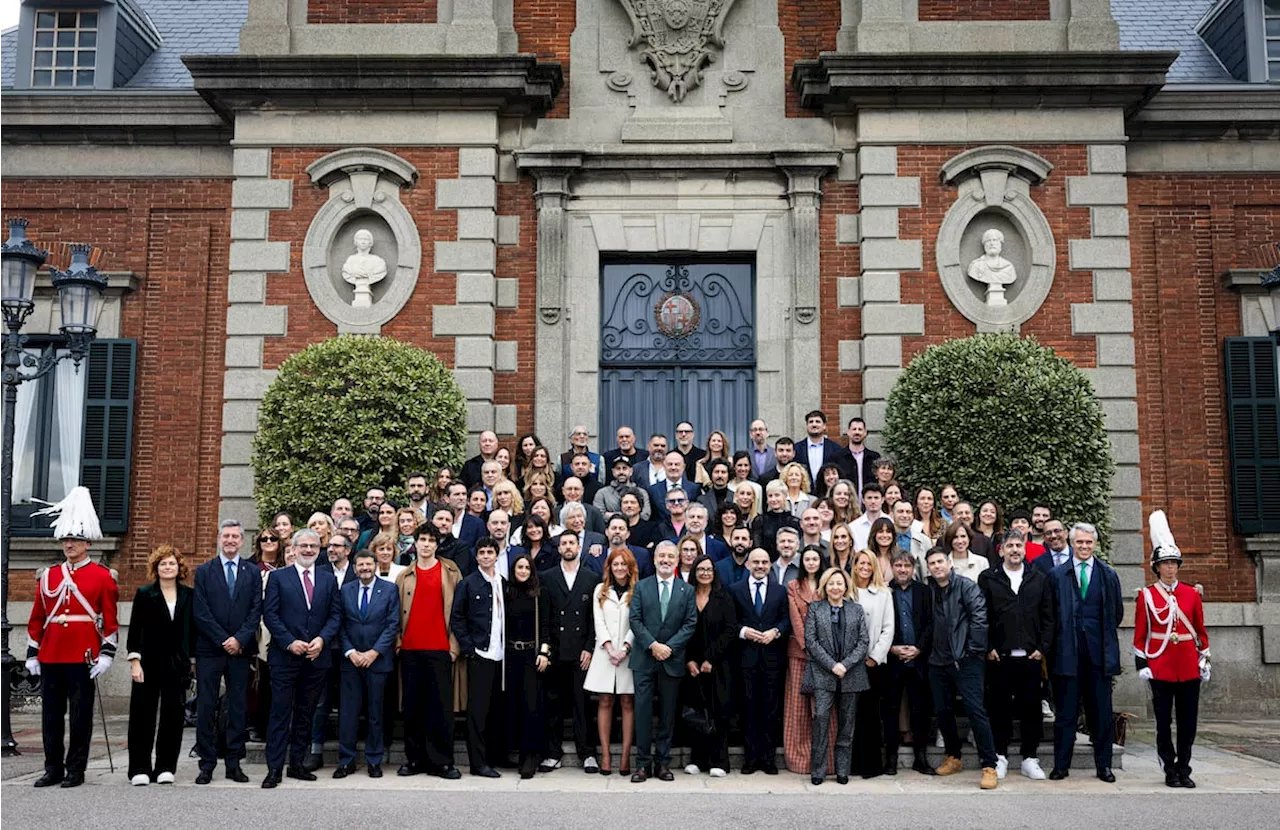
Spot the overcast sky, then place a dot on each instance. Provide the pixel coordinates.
(8, 13)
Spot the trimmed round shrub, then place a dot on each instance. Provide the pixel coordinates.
(1003, 419)
(351, 413)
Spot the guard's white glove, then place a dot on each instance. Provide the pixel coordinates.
(104, 663)
(1145, 674)
(33, 666)
(1205, 669)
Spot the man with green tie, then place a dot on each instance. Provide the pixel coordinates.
(663, 616)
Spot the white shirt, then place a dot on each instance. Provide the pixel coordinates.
(1059, 556)
(570, 576)
(656, 474)
(503, 563)
(497, 640)
(752, 582)
(343, 574)
(970, 566)
(457, 525)
(301, 570)
(861, 528)
(1015, 577)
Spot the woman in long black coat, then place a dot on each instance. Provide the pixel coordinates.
(707, 685)
(527, 657)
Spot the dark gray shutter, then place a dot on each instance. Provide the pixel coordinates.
(108, 430)
(1253, 423)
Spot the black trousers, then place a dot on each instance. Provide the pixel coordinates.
(295, 689)
(169, 694)
(1092, 685)
(1185, 696)
(210, 671)
(428, 708)
(868, 740)
(1013, 690)
(486, 739)
(707, 751)
(911, 681)
(66, 686)
(526, 705)
(655, 690)
(564, 691)
(762, 706)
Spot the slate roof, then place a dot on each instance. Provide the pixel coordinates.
(1170, 24)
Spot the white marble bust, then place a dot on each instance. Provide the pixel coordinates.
(363, 268)
(993, 269)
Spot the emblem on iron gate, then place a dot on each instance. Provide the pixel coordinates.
(677, 315)
(678, 35)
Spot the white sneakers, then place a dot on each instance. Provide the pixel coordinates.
(1045, 709)
(692, 769)
(1031, 769)
(1002, 767)
(940, 742)
(717, 772)
(164, 778)
(591, 765)
(140, 780)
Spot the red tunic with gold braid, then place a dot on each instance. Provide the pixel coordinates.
(1162, 641)
(74, 612)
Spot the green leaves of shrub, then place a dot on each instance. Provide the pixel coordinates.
(352, 413)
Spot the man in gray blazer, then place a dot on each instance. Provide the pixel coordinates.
(663, 616)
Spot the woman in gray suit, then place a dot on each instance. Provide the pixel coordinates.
(836, 641)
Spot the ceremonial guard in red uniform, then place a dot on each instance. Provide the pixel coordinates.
(1171, 648)
(71, 638)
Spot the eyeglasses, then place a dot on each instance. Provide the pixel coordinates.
(683, 431)
(677, 501)
(265, 539)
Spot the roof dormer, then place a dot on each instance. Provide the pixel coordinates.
(1244, 35)
(75, 45)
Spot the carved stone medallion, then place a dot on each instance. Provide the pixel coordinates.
(678, 36)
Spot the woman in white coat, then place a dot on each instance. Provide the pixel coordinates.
(873, 595)
(609, 674)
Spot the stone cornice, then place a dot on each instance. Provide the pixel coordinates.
(677, 157)
(840, 82)
(1210, 111)
(512, 84)
(110, 117)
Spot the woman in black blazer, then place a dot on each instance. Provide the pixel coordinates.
(707, 687)
(161, 646)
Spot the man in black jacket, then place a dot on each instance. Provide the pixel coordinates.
(476, 621)
(956, 662)
(908, 663)
(1020, 615)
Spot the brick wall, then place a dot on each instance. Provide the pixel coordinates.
(519, 324)
(174, 236)
(1185, 232)
(983, 10)
(808, 27)
(371, 11)
(543, 28)
(413, 324)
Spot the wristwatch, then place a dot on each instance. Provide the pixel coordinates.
(626, 647)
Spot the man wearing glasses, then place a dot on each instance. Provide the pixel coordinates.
(674, 481)
(1057, 551)
(578, 439)
(691, 453)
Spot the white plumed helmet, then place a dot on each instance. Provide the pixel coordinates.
(1163, 547)
(76, 518)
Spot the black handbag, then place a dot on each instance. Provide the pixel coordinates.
(698, 718)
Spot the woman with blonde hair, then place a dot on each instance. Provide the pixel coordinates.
(385, 548)
(842, 552)
(407, 521)
(747, 502)
(539, 484)
(539, 464)
(161, 645)
(871, 592)
(836, 640)
(796, 478)
(506, 496)
(322, 524)
(717, 447)
(610, 673)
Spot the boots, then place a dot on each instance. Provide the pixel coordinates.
(921, 764)
(891, 761)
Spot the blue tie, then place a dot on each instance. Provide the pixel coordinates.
(759, 598)
(364, 601)
(231, 579)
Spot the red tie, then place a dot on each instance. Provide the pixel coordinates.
(307, 586)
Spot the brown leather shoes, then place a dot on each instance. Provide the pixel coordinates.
(989, 779)
(950, 766)
(663, 774)
(640, 776)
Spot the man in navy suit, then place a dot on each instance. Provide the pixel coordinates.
(370, 623)
(696, 529)
(673, 465)
(818, 449)
(1056, 550)
(765, 616)
(227, 610)
(663, 617)
(1086, 652)
(303, 612)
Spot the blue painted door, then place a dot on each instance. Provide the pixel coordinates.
(677, 343)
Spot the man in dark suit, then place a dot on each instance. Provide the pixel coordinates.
(303, 612)
(650, 471)
(591, 545)
(573, 639)
(674, 466)
(619, 536)
(227, 611)
(1086, 652)
(696, 529)
(476, 620)
(908, 664)
(784, 452)
(663, 616)
(733, 568)
(818, 449)
(466, 528)
(573, 491)
(471, 470)
(765, 616)
(718, 492)
(370, 623)
(1056, 550)
(588, 482)
(450, 547)
(857, 461)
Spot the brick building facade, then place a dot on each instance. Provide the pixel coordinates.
(507, 151)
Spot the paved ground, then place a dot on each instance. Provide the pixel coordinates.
(1238, 788)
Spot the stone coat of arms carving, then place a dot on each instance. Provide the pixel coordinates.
(678, 36)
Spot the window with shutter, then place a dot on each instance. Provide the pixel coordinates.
(1253, 419)
(108, 430)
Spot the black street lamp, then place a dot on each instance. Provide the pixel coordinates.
(80, 290)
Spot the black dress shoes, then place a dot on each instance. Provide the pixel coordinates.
(205, 777)
(891, 767)
(815, 780)
(272, 780)
(408, 768)
(842, 779)
(486, 772)
(748, 768)
(663, 774)
(375, 770)
(1057, 774)
(640, 776)
(256, 737)
(300, 774)
(314, 762)
(235, 774)
(73, 779)
(922, 766)
(770, 768)
(450, 773)
(1105, 774)
(344, 771)
(1171, 779)
(1186, 781)
(49, 779)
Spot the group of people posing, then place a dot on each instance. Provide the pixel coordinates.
(788, 594)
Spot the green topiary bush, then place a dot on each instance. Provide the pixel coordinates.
(1003, 418)
(352, 413)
